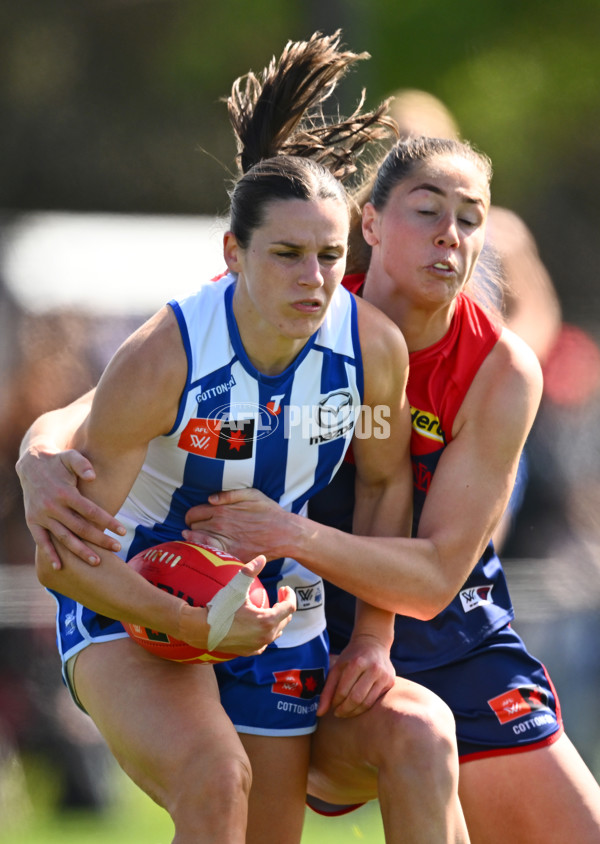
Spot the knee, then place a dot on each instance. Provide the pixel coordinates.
(213, 783)
(419, 735)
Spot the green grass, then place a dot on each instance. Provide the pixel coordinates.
(30, 817)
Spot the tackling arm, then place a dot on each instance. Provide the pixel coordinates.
(468, 494)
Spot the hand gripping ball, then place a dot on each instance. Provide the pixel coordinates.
(194, 573)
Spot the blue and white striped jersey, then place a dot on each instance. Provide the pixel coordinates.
(284, 434)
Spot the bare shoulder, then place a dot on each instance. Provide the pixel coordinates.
(513, 358)
(155, 350)
(379, 335)
(506, 392)
(158, 333)
(144, 380)
(384, 355)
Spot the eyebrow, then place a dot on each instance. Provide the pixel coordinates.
(291, 245)
(440, 192)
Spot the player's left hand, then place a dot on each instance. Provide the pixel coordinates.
(243, 521)
(56, 509)
(357, 678)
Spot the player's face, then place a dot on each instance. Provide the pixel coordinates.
(289, 272)
(428, 237)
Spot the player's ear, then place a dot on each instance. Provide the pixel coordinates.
(231, 252)
(370, 224)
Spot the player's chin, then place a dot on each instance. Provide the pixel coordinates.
(305, 323)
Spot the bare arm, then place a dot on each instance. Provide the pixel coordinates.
(467, 497)
(470, 489)
(383, 507)
(148, 372)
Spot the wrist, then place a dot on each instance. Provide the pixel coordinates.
(192, 625)
(296, 537)
(373, 638)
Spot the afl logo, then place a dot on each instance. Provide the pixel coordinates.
(266, 420)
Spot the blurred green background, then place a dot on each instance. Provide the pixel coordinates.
(115, 106)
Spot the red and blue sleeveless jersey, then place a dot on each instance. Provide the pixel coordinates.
(439, 378)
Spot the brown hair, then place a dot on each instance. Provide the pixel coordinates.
(287, 149)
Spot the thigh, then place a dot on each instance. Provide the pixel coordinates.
(347, 753)
(272, 700)
(546, 794)
(277, 797)
(154, 714)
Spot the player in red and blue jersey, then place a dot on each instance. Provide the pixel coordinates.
(474, 388)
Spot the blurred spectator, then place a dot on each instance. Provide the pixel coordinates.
(45, 361)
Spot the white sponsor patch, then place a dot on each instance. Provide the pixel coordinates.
(309, 596)
(475, 596)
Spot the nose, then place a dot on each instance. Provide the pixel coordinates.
(448, 234)
(311, 275)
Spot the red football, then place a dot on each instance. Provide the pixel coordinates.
(194, 573)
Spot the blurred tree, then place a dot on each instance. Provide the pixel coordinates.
(115, 104)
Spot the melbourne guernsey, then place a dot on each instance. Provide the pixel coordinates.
(439, 377)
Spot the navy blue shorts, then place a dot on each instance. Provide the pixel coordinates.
(502, 697)
(277, 692)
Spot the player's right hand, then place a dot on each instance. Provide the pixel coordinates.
(259, 626)
(55, 507)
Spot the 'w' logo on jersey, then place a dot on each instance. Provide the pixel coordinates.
(220, 439)
(518, 702)
(297, 682)
(309, 596)
(476, 596)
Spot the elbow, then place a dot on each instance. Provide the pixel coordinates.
(45, 573)
(440, 581)
(429, 610)
(431, 602)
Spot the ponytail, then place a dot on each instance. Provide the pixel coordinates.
(280, 111)
(286, 147)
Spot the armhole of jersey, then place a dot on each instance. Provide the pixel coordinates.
(360, 375)
(185, 339)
